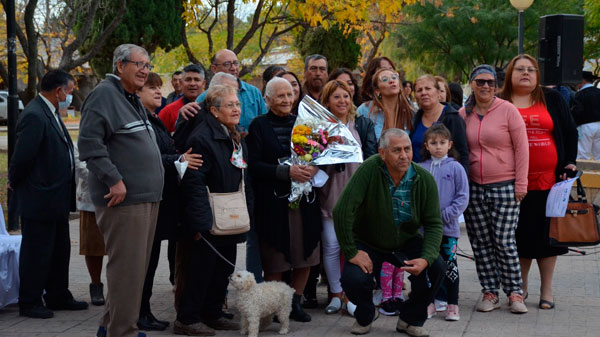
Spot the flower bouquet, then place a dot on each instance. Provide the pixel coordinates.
(319, 138)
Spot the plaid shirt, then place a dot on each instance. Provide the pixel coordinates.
(401, 195)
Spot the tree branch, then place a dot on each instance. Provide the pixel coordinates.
(68, 63)
(230, 23)
(254, 26)
(186, 46)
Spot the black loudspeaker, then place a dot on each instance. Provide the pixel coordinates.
(561, 49)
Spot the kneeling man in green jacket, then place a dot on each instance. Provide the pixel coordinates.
(377, 218)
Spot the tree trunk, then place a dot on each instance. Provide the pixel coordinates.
(32, 54)
(230, 23)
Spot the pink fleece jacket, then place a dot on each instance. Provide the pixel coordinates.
(498, 146)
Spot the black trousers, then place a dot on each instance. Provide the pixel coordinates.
(44, 261)
(359, 286)
(149, 281)
(207, 277)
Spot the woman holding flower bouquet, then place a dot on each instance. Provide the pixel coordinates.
(337, 98)
(289, 238)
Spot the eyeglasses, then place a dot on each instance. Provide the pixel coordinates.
(228, 64)
(140, 64)
(481, 83)
(314, 69)
(525, 69)
(385, 79)
(230, 105)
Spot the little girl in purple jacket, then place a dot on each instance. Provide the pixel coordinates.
(453, 189)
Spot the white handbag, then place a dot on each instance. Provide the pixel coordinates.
(230, 211)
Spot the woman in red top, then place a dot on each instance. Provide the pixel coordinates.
(552, 151)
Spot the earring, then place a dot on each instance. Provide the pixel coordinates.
(379, 95)
(217, 117)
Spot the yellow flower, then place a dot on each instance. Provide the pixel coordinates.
(301, 130)
(299, 139)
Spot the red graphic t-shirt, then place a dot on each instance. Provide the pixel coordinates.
(542, 148)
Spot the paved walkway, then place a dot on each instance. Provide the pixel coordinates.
(576, 289)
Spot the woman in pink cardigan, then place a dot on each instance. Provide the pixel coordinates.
(499, 159)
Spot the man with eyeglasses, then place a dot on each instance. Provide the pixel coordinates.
(586, 112)
(250, 97)
(315, 75)
(118, 144)
(193, 86)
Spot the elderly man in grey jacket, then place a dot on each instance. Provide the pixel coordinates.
(126, 180)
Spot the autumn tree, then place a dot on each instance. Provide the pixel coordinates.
(56, 24)
(271, 20)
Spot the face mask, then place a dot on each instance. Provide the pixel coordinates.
(66, 103)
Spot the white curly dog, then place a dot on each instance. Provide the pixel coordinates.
(258, 303)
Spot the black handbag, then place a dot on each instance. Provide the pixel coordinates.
(579, 226)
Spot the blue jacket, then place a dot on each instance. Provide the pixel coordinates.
(453, 190)
(253, 104)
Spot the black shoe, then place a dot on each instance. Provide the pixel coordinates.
(165, 323)
(227, 315)
(37, 311)
(71, 304)
(297, 313)
(310, 303)
(149, 323)
(97, 293)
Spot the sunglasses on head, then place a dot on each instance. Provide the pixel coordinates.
(481, 83)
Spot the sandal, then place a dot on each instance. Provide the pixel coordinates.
(546, 305)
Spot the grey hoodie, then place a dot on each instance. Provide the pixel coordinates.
(117, 142)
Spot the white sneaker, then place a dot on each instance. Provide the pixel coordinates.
(377, 297)
(440, 305)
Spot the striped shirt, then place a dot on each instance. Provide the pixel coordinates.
(401, 195)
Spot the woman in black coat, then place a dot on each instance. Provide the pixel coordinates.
(224, 152)
(288, 239)
(168, 220)
(552, 137)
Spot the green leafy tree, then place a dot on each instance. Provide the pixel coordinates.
(148, 23)
(450, 38)
(591, 52)
(338, 46)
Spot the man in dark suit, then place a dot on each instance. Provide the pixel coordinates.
(42, 176)
(586, 113)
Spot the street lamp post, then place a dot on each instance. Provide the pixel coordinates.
(521, 5)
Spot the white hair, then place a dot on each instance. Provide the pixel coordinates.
(274, 82)
(123, 52)
(384, 140)
(220, 78)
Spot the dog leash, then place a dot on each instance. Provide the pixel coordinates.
(217, 252)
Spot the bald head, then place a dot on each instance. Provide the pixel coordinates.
(225, 61)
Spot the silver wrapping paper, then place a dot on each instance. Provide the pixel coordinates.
(317, 117)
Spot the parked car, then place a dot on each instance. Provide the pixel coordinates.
(4, 106)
